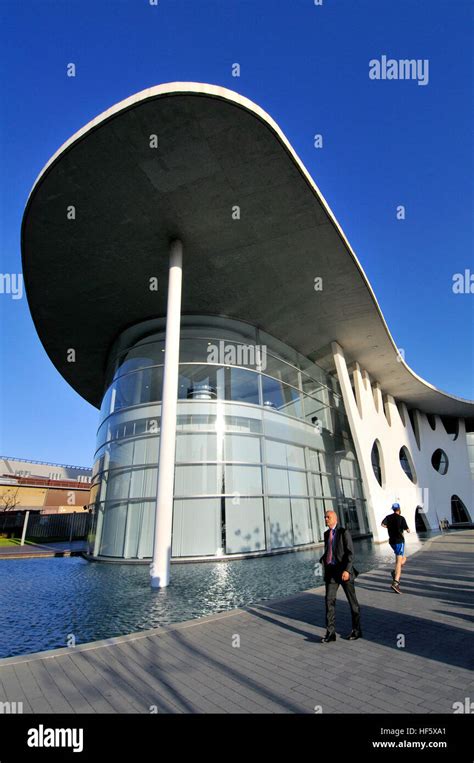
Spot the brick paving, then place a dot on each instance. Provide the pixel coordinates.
(267, 658)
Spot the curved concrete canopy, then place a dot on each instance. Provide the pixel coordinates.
(87, 279)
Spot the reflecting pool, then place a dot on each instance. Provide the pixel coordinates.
(45, 603)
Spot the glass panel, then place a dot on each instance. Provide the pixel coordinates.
(244, 525)
(226, 352)
(149, 353)
(238, 448)
(281, 534)
(348, 488)
(98, 463)
(320, 510)
(352, 489)
(243, 386)
(350, 517)
(132, 361)
(113, 530)
(348, 468)
(199, 382)
(334, 384)
(316, 413)
(246, 480)
(146, 451)
(196, 527)
(331, 505)
(325, 462)
(121, 454)
(315, 388)
(145, 543)
(128, 390)
(196, 447)
(143, 483)
(195, 350)
(242, 424)
(314, 461)
(298, 484)
(318, 488)
(280, 370)
(275, 452)
(196, 421)
(328, 485)
(132, 530)
(117, 485)
(278, 481)
(295, 456)
(281, 397)
(151, 385)
(313, 370)
(278, 348)
(285, 454)
(302, 531)
(105, 408)
(198, 480)
(362, 514)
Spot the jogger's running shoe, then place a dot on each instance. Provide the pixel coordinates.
(395, 587)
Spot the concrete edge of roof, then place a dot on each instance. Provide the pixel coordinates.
(223, 93)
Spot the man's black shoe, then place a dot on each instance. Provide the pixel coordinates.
(328, 637)
(354, 635)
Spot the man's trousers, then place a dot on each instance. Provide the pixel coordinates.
(333, 580)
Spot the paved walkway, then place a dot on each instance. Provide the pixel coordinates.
(280, 666)
(38, 550)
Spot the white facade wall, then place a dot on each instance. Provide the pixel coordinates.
(375, 416)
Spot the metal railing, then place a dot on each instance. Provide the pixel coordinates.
(47, 527)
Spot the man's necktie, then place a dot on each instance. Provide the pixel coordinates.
(331, 536)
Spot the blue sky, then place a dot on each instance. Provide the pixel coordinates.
(385, 143)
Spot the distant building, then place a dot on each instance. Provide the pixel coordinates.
(41, 486)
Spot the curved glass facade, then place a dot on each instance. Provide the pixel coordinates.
(263, 445)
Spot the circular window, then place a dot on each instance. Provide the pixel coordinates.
(407, 464)
(439, 461)
(377, 462)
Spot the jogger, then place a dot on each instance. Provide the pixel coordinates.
(396, 526)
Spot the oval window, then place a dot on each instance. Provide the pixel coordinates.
(377, 462)
(407, 464)
(439, 461)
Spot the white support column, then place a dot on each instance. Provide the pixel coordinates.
(25, 525)
(160, 566)
(361, 432)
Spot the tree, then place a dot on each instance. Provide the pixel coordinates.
(9, 500)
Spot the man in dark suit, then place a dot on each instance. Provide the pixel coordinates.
(339, 570)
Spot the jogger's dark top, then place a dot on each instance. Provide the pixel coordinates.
(395, 525)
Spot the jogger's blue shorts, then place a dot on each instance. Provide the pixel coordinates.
(399, 548)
